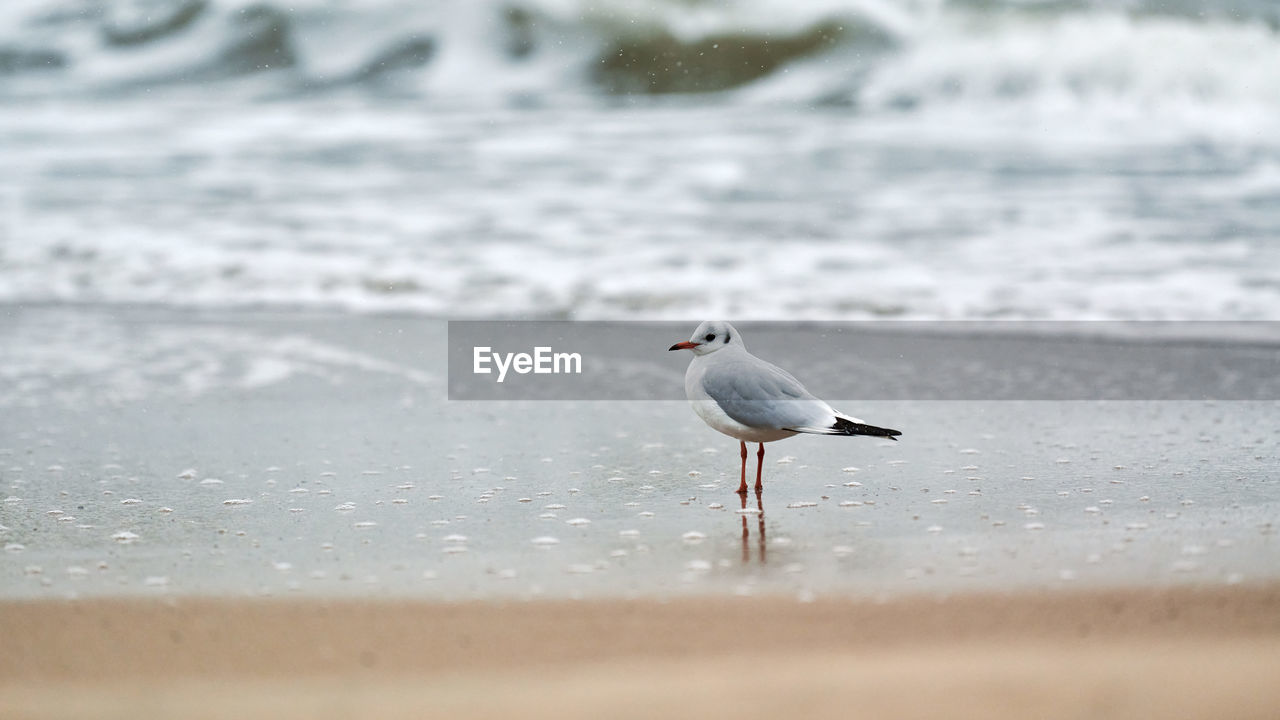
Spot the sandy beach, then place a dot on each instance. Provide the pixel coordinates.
(1175, 653)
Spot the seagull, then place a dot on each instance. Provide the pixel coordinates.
(751, 400)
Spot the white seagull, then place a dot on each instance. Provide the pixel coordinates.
(751, 400)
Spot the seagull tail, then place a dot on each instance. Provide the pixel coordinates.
(850, 426)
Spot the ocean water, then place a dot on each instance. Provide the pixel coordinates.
(845, 159)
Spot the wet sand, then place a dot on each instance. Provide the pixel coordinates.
(1211, 652)
(251, 454)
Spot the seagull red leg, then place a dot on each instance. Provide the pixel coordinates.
(742, 486)
(759, 467)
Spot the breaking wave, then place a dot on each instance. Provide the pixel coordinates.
(1142, 57)
(772, 158)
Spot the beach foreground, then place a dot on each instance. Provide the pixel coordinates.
(1184, 652)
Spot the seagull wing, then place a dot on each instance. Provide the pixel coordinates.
(761, 395)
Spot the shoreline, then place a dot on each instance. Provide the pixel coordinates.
(1120, 330)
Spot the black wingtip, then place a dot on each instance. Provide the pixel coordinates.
(846, 427)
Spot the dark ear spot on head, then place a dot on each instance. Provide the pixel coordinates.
(726, 337)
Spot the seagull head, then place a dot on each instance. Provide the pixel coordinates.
(710, 336)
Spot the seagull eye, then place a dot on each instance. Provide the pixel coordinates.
(710, 337)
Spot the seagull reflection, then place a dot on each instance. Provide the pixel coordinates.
(746, 533)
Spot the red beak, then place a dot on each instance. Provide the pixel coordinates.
(686, 345)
